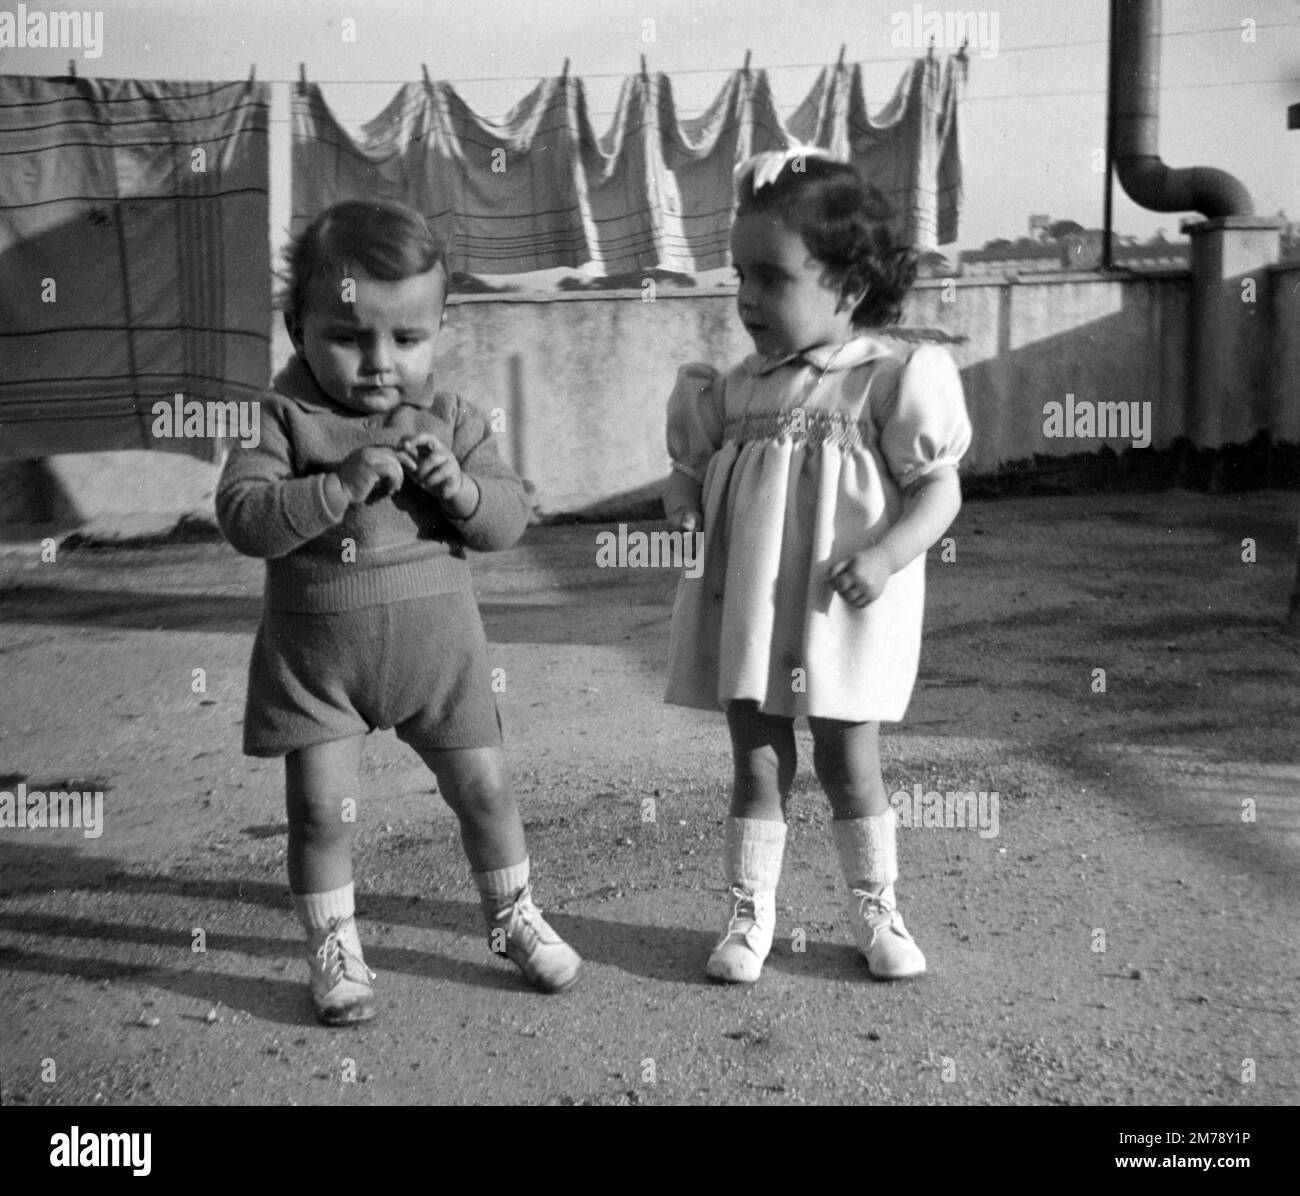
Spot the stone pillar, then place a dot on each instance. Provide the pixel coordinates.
(1229, 374)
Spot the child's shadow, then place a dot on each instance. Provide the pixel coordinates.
(665, 953)
(174, 960)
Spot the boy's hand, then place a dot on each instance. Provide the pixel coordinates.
(436, 470)
(861, 578)
(370, 472)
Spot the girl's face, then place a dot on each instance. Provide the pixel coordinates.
(783, 302)
(373, 352)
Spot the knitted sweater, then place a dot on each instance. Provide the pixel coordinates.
(283, 501)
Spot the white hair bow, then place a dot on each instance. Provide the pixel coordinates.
(766, 168)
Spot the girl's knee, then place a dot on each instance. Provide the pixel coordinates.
(846, 760)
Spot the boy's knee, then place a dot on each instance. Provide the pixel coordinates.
(472, 778)
(329, 813)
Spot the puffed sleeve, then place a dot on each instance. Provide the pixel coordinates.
(695, 419)
(924, 425)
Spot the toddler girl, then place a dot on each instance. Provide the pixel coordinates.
(366, 488)
(818, 470)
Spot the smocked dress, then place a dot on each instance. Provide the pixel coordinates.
(803, 461)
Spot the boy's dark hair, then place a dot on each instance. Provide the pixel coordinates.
(848, 227)
(385, 240)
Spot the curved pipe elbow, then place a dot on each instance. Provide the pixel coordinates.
(1160, 188)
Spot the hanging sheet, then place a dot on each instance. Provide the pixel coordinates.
(135, 258)
(539, 189)
(910, 149)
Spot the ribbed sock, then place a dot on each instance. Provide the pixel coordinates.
(753, 852)
(501, 884)
(868, 851)
(317, 910)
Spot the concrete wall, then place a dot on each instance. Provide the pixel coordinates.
(581, 381)
(1284, 337)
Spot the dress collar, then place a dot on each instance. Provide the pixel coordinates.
(826, 358)
(297, 383)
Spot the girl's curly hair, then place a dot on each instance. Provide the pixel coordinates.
(388, 241)
(847, 225)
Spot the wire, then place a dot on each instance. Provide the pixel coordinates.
(966, 99)
(1039, 95)
(785, 66)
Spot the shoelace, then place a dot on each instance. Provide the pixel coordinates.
(526, 914)
(341, 963)
(743, 909)
(874, 906)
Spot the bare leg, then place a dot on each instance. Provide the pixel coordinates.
(321, 795)
(846, 758)
(320, 781)
(764, 758)
(476, 785)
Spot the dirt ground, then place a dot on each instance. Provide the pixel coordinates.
(1159, 820)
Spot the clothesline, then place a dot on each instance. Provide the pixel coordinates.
(539, 189)
(1003, 50)
(136, 211)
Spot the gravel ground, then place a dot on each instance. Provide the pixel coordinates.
(1159, 820)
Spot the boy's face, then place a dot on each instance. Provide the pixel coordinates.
(783, 302)
(377, 350)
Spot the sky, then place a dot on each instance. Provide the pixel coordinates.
(1032, 116)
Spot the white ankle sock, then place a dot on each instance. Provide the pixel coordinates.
(501, 884)
(753, 852)
(317, 910)
(867, 850)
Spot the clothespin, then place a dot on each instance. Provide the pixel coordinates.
(645, 74)
(745, 68)
(72, 68)
(424, 71)
(252, 73)
(929, 50)
(564, 74)
(839, 62)
(302, 76)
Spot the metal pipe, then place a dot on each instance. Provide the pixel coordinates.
(1107, 195)
(1134, 96)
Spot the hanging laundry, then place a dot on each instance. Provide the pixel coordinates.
(539, 189)
(910, 149)
(503, 196)
(661, 188)
(135, 258)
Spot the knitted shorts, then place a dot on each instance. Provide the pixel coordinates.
(419, 666)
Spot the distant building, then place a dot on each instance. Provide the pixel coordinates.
(1016, 257)
(1066, 245)
(1154, 255)
(1039, 226)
